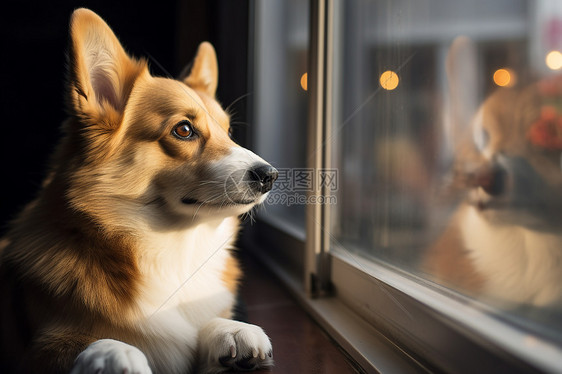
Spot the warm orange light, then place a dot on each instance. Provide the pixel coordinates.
(389, 80)
(504, 77)
(304, 81)
(554, 60)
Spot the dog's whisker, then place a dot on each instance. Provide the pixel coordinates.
(227, 109)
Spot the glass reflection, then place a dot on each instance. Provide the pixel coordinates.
(455, 174)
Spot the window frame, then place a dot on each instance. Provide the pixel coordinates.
(385, 319)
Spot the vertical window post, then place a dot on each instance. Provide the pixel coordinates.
(317, 277)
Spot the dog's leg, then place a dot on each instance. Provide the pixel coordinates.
(225, 344)
(110, 356)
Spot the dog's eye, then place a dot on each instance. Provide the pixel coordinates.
(230, 132)
(481, 138)
(183, 130)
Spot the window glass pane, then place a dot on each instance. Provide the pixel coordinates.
(448, 139)
(280, 99)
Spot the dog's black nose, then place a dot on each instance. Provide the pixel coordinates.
(492, 179)
(264, 174)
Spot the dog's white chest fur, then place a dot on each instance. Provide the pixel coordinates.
(183, 287)
(519, 265)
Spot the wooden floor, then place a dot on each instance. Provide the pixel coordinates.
(299, 344)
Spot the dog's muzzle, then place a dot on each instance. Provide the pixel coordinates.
(241, 187)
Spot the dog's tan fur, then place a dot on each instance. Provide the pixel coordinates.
(77, 264)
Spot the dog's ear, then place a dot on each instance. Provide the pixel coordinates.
(462, 103)
(203, 73)
(101, 74)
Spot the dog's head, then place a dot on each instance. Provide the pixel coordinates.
(142, 144)
(510, 158)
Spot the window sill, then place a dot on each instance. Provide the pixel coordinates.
(441, 326)
(299, 344)
(388, 323)
(367, 347)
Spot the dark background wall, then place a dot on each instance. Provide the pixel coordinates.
(34, 36)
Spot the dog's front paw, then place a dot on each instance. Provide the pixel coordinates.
(110, 356)
(225, 344)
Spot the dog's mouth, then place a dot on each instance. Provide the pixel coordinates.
(242, 187)
(484, 201)
(480, 198)
(191, 201)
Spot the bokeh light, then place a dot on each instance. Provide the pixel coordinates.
(554, 60)
(504, 77)
(389, 80)
(304, 81)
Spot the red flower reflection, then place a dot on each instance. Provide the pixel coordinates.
(546, 132)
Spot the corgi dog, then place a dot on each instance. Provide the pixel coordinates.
(504, 243)
(123, 263)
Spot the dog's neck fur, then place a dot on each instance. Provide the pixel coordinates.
(167, 261)
(170, 263)
(521, 265)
